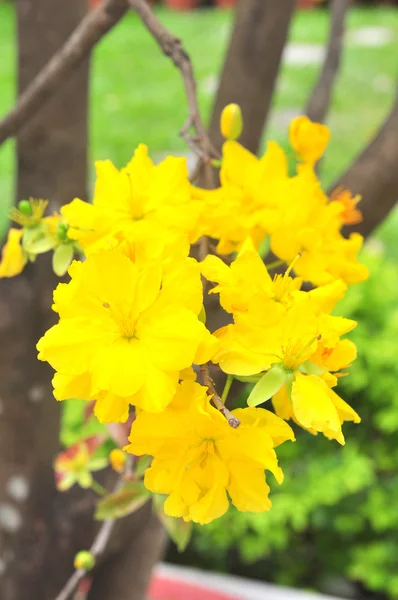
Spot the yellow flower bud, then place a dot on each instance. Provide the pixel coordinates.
(84, 560)
(118, 460)
(13, 258)
(308, 139)
(231, 122)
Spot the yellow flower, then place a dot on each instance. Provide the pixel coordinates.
(247, 203)
(117, 459)
(314, 406)
(308, 139)
(199, 458)
(141, 197)
(350, 215)
(125, 333)
(246, 278)
(13, 257)
(311, 226)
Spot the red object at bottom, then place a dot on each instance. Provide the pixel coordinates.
(163, 588)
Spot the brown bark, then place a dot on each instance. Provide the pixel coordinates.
(37, 525)
(321, 96)
(252, 64)
(53, 73)
(374, 175)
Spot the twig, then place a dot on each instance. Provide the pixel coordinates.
(100, 542)
(173, 48)
(90, 30)
(218, 403)
(319, 102)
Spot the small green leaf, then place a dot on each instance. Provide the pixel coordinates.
(62, 258)
(179, 530)
(311, 368)
(249, 378)
(125, 501)
(216, 162)
(269, 384)
(40, 245)
(265, 246)
(142, 464)
(30, 235)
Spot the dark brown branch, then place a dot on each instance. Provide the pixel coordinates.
(91, 29)
(98, 546)
(218, 403)
(173, 48)
(374, 175)
(319, 102)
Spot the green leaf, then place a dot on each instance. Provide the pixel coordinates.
(125, 501)
(311, 368)
(142, 464)
(179, 530)
(268, 385)
(248, 378)
(40, 245)
(62, 258)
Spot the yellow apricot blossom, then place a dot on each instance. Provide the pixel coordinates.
(125, 333)
(308, 139)
(13, 257)
(247, 203)
(141, 197)
(199, 458)
(246, 277)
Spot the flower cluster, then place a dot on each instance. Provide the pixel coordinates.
(132, 325)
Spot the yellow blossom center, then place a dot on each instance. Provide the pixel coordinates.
(296, 352)
(207, 451)
(125, 323)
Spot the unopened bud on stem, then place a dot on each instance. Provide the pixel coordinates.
(231, 122)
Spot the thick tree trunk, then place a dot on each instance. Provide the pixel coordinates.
(36, 547)
(374, 175)
(252, 64)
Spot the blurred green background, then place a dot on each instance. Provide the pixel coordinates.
(334, 522)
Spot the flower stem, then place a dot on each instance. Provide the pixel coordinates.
(276, 263)
(98, 488)
(227, 387)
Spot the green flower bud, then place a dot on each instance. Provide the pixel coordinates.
(25, 208)
(84, 560)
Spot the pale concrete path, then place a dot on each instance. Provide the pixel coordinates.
(240, 587)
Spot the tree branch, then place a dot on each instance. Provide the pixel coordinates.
(319, 102)
(173, 48)
(374, 175)
(91, 29)
(218, 403)
(99, 544)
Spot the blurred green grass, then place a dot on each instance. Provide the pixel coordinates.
(137, 95)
